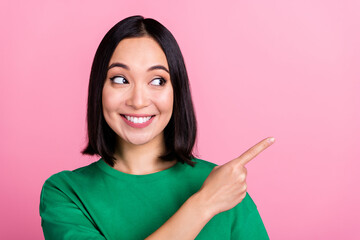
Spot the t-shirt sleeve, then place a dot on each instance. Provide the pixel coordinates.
(247, 221)
(61, 216)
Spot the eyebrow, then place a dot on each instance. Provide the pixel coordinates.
(117, 64)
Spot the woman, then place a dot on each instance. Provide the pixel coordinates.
(147, 183)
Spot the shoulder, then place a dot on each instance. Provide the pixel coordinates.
(198, 172)
(202, 166)
(247, 222)
(247, 205)
(79, 172)
(200, 163)
(65, 181)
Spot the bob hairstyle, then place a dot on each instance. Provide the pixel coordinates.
(180, 133)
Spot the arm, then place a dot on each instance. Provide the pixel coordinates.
(186, 223)
(223, 189)
(62, 218)
(247, 222)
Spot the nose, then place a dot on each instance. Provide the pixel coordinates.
(138, 97)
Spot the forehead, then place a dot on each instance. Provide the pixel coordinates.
(139, 51)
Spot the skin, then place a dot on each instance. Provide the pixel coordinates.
(138, 91)
(222, 190)
(137, 150)
(234, 172)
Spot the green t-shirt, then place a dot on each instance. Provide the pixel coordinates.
(99, 202)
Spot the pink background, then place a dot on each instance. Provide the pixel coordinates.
(288, 69)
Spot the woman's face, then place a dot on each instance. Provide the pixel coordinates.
(137, 97)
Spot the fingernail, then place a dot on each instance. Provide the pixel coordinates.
(271, 140)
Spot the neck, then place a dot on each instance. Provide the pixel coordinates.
(141, 159)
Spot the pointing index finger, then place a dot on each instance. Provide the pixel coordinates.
(254, 151)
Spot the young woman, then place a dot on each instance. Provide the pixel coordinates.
(147, 184)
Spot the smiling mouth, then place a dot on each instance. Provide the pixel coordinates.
(137, 120)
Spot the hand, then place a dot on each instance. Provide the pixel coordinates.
(225, 186)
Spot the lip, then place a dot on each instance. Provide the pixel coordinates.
(137, 125)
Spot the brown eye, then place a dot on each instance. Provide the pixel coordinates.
(158, 81)
(119, 80)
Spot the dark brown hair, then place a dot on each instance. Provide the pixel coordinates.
(180, 133)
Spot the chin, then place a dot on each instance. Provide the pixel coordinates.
(137, 141)
(141, 138)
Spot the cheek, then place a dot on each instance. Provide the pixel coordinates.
(109, 100)
(165, 102)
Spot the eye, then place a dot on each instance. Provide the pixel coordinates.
(158, 81)
(119, 80)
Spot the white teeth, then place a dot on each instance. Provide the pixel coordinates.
(137, 119)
